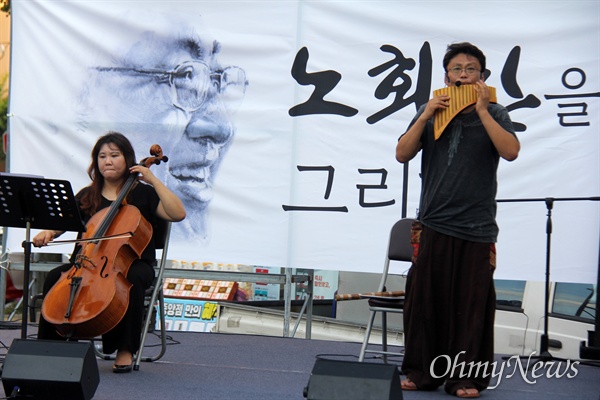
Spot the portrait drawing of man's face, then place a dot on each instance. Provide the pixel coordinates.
(169, 88)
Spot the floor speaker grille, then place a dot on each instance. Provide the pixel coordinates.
(43, 369)
(336, 379)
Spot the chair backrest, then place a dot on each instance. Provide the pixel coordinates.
(162, 242)
(161, 233)
(400, 248)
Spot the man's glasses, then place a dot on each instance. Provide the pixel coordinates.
(191, 80)
(456, 71)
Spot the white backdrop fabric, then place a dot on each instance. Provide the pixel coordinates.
(309, 178)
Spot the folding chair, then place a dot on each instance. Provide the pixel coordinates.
(153, 294)
(399, 249)
(156, 292)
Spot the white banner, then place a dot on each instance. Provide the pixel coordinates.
(280, 118)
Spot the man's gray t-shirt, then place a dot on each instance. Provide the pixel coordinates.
(458, 173)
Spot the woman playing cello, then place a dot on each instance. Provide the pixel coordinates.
(113, 161)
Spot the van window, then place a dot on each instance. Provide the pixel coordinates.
(509, 294)
(575, 300)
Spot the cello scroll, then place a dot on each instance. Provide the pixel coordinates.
(157, 157)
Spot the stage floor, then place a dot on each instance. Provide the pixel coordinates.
(231, 366)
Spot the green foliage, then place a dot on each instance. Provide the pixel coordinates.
(3, 109)
(5, 6)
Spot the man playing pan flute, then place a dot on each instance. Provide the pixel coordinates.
(450, 296)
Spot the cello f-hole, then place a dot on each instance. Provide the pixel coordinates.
(102, 273)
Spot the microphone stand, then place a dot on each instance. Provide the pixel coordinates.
(544, 339)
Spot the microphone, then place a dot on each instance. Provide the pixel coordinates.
(457, 83)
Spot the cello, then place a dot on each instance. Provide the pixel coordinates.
(92, 297)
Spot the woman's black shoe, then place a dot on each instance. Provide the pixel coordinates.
(121, 369)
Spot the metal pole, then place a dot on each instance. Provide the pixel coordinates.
(287, 302)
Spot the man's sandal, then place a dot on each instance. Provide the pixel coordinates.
(407, 384)
(467, 393)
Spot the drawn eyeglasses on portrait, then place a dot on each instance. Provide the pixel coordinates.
(190, 82)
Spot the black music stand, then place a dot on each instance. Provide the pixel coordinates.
(35, 202)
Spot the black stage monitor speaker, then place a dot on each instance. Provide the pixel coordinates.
(348, 380)
(47, 369)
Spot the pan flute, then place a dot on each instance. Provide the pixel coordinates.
(461, 97)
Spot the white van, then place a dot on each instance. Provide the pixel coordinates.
(521, 322)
